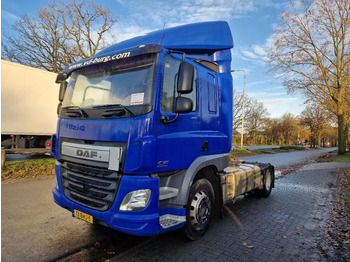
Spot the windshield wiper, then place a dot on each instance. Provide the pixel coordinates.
(114, 110)
(75, 111)
(107, 106)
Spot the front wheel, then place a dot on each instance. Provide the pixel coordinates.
(200, 209)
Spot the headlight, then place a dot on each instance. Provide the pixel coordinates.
(136, 200)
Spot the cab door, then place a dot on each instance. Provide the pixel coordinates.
(178, 137)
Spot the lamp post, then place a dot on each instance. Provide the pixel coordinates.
(243, 104)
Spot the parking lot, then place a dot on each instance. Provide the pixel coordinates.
(287, 226)
(290, 225)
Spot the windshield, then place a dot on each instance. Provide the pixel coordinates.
(127, 82)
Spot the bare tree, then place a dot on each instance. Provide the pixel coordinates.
(312, 55)
(251, 106)
(255, 114)
(237, 109)
(59, 35)
(256, 118)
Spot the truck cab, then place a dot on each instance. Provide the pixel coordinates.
(145, 129)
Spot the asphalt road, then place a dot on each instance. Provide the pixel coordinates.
(260, 147)
(34, 228)
(281, 160)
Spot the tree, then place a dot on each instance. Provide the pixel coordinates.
(256, 119)
(304, 134)
(283, 130)
(254, 115)
(251, 106)
(59, 35)
(311, 53)
(289, 126)
(316, 118)
(272, 129)
(329, 136)
(237, 108)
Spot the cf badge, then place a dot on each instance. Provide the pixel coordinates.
(162, 164)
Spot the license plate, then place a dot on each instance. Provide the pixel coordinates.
(83, 216)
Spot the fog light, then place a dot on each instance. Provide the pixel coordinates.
(136, 200)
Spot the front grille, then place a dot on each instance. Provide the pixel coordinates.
(91, 187)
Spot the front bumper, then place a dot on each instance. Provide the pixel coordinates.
(146, 222)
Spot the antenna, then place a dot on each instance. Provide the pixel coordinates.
(161, 37)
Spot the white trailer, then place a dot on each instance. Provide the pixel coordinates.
(28, 106)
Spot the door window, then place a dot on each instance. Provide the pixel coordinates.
(169, 94)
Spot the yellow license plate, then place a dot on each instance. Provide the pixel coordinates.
(83, 216)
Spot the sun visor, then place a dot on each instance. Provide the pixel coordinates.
(116, 54)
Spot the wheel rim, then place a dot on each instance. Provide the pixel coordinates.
(268, 180)
(200, 209)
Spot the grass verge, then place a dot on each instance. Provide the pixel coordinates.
(17, 171)
(243, 152)
(341, 158)
(292, 148)
(284, 149)
(238, 152)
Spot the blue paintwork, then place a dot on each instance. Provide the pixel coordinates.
(192, 38)
(199, 40)
(148, 139)
(144, 222)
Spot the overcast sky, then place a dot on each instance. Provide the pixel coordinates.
(251, 23)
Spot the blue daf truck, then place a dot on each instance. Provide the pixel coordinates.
(144, 134)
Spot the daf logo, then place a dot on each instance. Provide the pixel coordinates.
(86, 153)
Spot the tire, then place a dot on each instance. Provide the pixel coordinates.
(200, 209)
(268, 184)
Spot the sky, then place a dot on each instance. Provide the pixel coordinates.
(251, 22)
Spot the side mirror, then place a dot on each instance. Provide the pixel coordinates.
(61, 77)
(185, 80)
(59, 107)
(63, 88)
(183, 105)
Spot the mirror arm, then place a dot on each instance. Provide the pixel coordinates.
(165, 119)
(178, 52)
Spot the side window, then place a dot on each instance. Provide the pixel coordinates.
(212, 94)
(171, 68)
